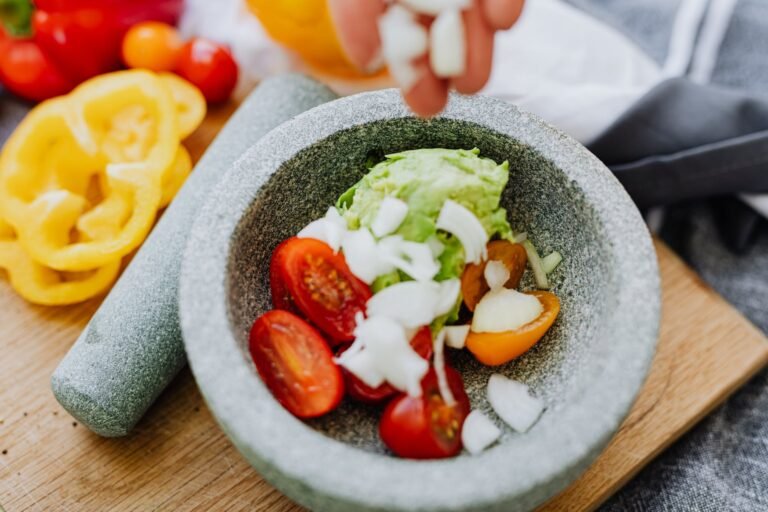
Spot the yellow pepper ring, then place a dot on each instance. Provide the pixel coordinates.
(190, 103)
(41, 285)
(125, 122)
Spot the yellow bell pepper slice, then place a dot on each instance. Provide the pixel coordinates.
(175, 176)
(81, 177)
(190, 103)
(41, 285)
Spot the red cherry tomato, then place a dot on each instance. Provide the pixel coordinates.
(425, 427)
(307, 276)
(210, 67)
(296, 364)
(360, 391)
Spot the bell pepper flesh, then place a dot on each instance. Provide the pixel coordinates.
(83, 176)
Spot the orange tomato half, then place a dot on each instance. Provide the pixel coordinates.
(495, 348)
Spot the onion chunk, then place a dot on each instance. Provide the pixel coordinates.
(456, 335)
(330, 229)
(448, 47)
(504, 310)
(392, 213)
(462, 223)
(478, 432)
(512, 401)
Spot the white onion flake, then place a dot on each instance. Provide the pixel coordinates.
(362, 366)
(411, 303)
(462, 223)
(496, 274)
(403, 39)
(456, 335)
(478, 432)
(435, 7)
(438, 347)
(550, 262)
(535, 262)
(391, 354)
(447, 43)
(391, 214)
(448, 296)
(512, 401)
(362, 255)
(504, 310)
(330, 229)
(413, 258)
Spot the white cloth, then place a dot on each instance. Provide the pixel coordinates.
(569, 69)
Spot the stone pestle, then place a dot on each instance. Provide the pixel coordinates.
(132, 347)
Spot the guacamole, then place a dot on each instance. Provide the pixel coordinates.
(425, 179)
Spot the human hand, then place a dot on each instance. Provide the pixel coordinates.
(357, 24)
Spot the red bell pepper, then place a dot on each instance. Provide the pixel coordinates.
(49, 47)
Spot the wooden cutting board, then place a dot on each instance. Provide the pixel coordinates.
(179, 460)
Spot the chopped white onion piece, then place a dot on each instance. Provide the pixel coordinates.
(403, 39)
(363, 256)
(478, 432)
(447, 43)
(330, 229)
(535, 262)
(410, 303)
(512, 401)
(435, 7)
(391, 214)
(363, 366)
(521, 237)
(456, 335)
(448, 296)
(496, 274)
(505, 310)
(550, 262)
(435, 245)
(415, 259)
(462, 223)
(438, 347)
(388, 347)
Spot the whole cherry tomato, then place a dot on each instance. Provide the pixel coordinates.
(362, 392)
(210, 67)
(152, 45)
(307, 276)
(426, 427)
(295, 363)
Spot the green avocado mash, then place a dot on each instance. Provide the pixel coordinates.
(425, 179)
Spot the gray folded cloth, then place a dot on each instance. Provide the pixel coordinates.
(722, 464)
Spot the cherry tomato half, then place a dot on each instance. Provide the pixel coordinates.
(473, 283)
(296, 364)
(362, 392)
(495, 348)
(426, 427)
(209, 66)
(307, 276)
(152, 45)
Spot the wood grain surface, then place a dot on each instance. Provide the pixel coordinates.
(179, 460)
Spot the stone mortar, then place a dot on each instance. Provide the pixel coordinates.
(587, 370)
(132, 347)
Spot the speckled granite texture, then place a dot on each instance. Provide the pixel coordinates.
(587, 370)
(132, 346)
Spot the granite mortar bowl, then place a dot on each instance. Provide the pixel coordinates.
(587, 370)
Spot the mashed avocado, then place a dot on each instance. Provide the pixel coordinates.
(424, 179)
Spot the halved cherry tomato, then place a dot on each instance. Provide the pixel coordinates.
(210, 67)
(494, 348)
(473, 284)
(362, 392)
(306, 275)
(296, 364)
(425, 427)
